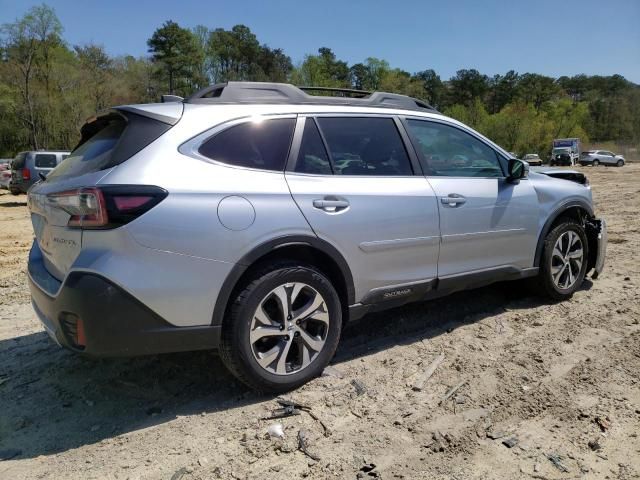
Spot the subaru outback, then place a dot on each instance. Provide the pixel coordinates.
(257, 219)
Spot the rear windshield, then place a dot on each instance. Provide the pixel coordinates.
(45, 160)
(18, 162)
(95, 149)
(108, 141)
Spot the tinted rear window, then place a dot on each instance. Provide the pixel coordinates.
(263, 145)
(45, 160)
(95, 152)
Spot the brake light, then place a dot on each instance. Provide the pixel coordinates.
(85, 205)
(106, 207)
(26, 174)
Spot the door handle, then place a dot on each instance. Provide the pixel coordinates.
(330, 205)
(453, 200)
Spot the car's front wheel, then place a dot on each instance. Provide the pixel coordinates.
(595, 163)
(620, 163)
(564, 260)
(282, 328)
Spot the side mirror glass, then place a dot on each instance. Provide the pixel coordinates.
(517, 170)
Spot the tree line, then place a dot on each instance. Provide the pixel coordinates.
(48, 88)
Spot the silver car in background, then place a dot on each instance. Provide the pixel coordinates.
(257, 219)
(601, 157)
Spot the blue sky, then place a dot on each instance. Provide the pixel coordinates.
(561, 37)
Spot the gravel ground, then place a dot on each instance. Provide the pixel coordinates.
(549, 390)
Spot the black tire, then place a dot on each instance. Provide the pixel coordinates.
(620, 163)
(595, 163)
(545, 282)
(235, 346)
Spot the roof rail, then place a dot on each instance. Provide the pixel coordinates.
(275, 93)
(349, 91)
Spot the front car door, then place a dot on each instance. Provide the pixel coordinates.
(488, 225)
(363, 192)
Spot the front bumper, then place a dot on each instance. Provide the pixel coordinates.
(88, 313)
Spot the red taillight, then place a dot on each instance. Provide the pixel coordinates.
(124, 204)
(85, 205)
(106, 207)
(26, 174)
(81, 338)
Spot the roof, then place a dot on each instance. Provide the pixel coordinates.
(284, 93)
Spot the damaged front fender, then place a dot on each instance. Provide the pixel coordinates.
(596, 230)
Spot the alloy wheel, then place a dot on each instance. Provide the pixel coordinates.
(289, 328)
(566, 260)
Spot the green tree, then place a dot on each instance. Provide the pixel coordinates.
(176, 51)
(466, 86)
(434, 89)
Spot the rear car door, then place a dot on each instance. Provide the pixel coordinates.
(486, 222)
(355, 182)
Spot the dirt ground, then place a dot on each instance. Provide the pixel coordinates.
(551, 390)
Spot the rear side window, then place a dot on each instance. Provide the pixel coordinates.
(365, 146)
(263, 145)
(46, 160)
(313, 157)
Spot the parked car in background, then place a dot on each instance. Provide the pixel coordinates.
(532, 159)
(30, 167)
(561, 156)
(5, 173)
(604, 157)
(281, 216)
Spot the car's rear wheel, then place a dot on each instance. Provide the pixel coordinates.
(595, 163)
(620, 163)
(282, 328)
(564, 260)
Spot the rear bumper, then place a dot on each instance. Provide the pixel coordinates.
(88, 313)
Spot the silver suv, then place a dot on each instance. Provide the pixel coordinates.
(258, 219)
(604, 157)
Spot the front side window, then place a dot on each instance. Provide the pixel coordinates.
(45, 160)
(262, 144)
(365, 146)
(451, 152)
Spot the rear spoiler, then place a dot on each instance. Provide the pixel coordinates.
(169, 112)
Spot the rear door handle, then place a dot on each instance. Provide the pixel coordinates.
(453, 200)
(330, 205)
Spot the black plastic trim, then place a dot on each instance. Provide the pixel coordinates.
(401, 293)
(260, 251)
(115, 323)
(481, 278)
(552, 218)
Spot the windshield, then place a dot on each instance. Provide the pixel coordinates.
(95, 149)
(561, 150)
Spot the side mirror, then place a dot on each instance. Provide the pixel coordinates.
(517, 170)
